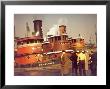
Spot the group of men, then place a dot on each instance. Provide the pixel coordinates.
(81, 63)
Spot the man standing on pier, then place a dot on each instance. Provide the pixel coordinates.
(73, 58)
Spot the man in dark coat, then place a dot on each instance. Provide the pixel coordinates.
(93, 64)
(73, 58)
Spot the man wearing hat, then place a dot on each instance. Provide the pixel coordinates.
(81, 62)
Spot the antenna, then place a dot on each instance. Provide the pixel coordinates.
(14, 32)
(79, 35)
(96, 34)
(90, 40)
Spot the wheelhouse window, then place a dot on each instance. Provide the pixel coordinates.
(31, 41)
(27, 42)
(59, 38)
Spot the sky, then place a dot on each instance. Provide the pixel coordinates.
(83, 24)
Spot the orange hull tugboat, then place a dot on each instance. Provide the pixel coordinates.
(34, 50)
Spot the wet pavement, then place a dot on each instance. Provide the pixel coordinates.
(53, 70)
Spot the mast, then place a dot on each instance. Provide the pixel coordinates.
(27, 29)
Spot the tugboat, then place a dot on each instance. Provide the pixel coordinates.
(33, 50)
(30, 48)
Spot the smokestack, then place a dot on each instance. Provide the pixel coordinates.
(38, 27)
(62, 29)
